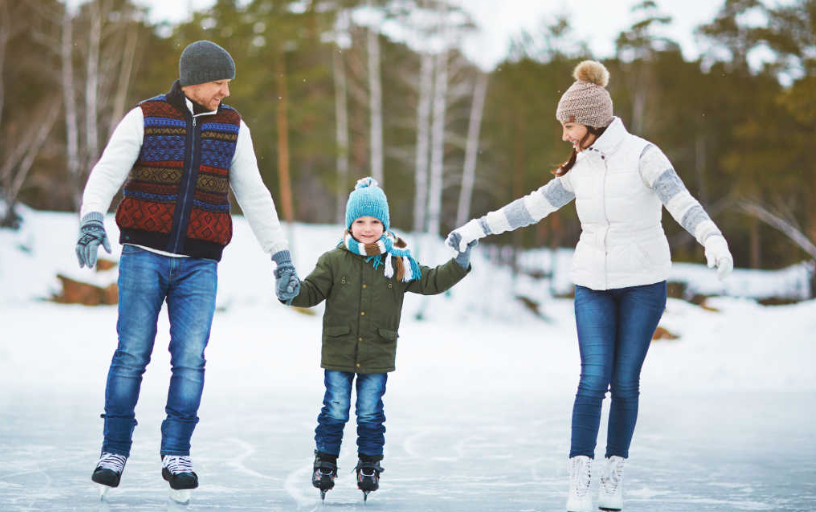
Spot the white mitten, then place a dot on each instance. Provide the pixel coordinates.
(718, 255)
(467, 233)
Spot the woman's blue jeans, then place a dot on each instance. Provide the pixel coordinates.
(335, 412)
(615, 328)
(146, 281)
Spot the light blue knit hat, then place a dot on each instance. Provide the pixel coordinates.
(367, 200)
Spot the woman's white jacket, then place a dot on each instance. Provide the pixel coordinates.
(620, 185)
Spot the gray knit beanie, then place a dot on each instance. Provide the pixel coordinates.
(587, 101)
(205, 61)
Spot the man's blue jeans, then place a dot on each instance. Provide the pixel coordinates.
(335, 412)
(615, 328)
(146, 280)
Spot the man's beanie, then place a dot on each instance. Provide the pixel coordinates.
(586, 101)
(367, 200)
(205, 61)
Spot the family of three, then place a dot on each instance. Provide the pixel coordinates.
(177, 155)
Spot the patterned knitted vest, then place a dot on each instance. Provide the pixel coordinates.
(176, 197)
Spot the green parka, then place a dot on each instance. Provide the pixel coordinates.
(363, 308)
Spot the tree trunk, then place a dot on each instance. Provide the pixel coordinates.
(756, 244)
(124, 76)
(5, 33)
(92, 86)
(423, 136)
(284, 180)
(438, 143)
(375, 104)
(472, 150)
(341, 115)
(43, 122)
(69, 100)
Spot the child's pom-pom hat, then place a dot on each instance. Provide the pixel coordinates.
(587, 101)
(367, 200)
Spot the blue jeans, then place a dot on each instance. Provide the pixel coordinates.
(615, 328)
(146, 280)
(335, 412)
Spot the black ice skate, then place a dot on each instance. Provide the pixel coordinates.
(368, 475)
(108, 472)
(325, 471)
(178, 471)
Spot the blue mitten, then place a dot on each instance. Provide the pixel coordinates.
(462, 258)
(91, 234)
(287, 284)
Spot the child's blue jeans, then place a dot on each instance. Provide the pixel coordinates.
(335, 412)
(615, 328)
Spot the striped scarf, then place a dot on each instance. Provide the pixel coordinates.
(407, 268)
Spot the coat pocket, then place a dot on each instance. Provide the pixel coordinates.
(337, 330)
(388, 334)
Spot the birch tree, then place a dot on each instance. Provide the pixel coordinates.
(437, 143)
(472, 151)
(375, 103)
(423, 140)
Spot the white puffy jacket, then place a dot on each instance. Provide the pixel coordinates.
(620, 185)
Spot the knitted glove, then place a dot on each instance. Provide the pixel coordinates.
(91, 234)
(718, 255)
(462, 258)
(287, 284)
(467, 233)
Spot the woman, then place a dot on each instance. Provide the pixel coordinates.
(620, 183)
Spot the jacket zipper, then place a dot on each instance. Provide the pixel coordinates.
(183, 218)
(606, 218)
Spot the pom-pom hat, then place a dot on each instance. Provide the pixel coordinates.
(587, 101)
(367, 200)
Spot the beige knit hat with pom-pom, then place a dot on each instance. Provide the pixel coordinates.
(587, 101)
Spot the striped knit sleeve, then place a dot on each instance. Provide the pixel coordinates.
(529, 209)
(659, 175)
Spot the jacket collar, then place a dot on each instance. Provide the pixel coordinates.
(177, 98)
(611, 138)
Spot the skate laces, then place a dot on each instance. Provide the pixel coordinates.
(112, 461)
(178, 463)
(580, 475)
(614, 474)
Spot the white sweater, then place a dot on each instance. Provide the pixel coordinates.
(620, 185)
(122, 151)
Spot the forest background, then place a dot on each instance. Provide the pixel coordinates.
(330, 98)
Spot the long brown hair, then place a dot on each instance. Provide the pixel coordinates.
(566, 166)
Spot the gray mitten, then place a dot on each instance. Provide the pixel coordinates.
(287, 284)
(462, 258)
(91, 234)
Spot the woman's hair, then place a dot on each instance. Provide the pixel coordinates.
(566, 166)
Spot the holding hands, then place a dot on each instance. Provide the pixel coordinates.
(461, 238)
(287, 284)
(718, 255)
(91, 234)
(462, 258)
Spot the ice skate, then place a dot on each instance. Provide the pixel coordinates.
(579, 499)
(368, 476)
(325, 471)
(178, 471)
(610, 494)
(108, 472)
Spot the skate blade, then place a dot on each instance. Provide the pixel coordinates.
(365, 497)
(103, 492)
(180, 496)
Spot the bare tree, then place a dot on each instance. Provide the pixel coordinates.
(375, 103)
(438, 143)
(423, 136)
(69, 99)
(472, 151)
(786, 227)
(341, 116)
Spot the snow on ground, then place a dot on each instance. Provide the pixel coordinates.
(478, 409)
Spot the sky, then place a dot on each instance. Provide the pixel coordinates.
(597, 22)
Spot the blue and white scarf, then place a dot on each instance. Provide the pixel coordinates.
(407, 268)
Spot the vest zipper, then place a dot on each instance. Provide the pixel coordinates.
(606, 218)
(185, 212)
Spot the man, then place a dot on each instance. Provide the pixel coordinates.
(177, 155)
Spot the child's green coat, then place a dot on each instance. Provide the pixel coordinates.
(363, 308)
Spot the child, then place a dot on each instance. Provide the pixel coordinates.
(363, 281)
